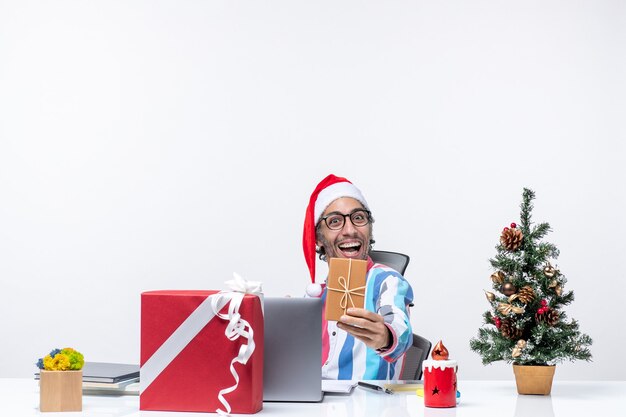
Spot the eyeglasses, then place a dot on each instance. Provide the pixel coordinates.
(336, 221)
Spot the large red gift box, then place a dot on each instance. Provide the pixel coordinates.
(186, 356)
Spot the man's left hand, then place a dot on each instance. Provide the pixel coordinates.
(366, 326)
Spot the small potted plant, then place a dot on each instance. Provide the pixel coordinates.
(61, 380)
(526, 323)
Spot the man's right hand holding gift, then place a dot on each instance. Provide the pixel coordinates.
(366, 327)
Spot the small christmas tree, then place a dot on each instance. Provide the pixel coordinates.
(526, 323)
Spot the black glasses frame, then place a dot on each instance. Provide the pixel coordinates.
(355, 211)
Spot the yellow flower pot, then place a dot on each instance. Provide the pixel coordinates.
(534, 380)
(60, 390)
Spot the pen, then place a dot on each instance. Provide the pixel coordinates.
(374, 387)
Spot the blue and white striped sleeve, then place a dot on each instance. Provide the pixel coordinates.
(395, 294)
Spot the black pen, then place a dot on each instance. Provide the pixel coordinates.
(375, 387)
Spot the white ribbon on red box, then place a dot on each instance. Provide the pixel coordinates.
(203, 314)
(237, 327)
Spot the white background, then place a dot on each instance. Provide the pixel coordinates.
(165, 144)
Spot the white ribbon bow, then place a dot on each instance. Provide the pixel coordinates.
(237, 327)
(239, 284)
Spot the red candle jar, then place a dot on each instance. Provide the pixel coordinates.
(439, 383)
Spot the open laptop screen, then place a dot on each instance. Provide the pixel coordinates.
(292, 369)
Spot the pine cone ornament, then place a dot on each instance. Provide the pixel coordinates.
(526, 294)
(511, 239)
(552, 317)
(508, 330)
(548, 316)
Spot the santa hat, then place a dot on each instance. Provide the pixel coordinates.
(327, 191)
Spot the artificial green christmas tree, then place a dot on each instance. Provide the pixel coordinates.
(526, 323)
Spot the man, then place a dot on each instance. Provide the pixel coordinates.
(370, 342)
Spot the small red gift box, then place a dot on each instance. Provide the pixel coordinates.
(186, 356)
(346, 286)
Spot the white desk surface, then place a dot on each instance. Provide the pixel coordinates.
(20, 397)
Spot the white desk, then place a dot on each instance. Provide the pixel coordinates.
(20, 397)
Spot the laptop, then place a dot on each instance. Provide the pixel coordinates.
(292, 367)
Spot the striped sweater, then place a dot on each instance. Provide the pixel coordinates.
(345, 357)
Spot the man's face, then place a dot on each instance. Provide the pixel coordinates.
(348, 242)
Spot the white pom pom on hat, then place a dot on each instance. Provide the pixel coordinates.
(314, 290)
(327, 191)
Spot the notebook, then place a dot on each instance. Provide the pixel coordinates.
(106, 372)
(109, 372)
(292, 368)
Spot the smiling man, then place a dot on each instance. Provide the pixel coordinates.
(370, 342)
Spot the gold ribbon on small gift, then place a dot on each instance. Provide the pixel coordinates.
(346, 290)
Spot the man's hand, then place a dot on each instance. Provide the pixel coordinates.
(366, 326)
